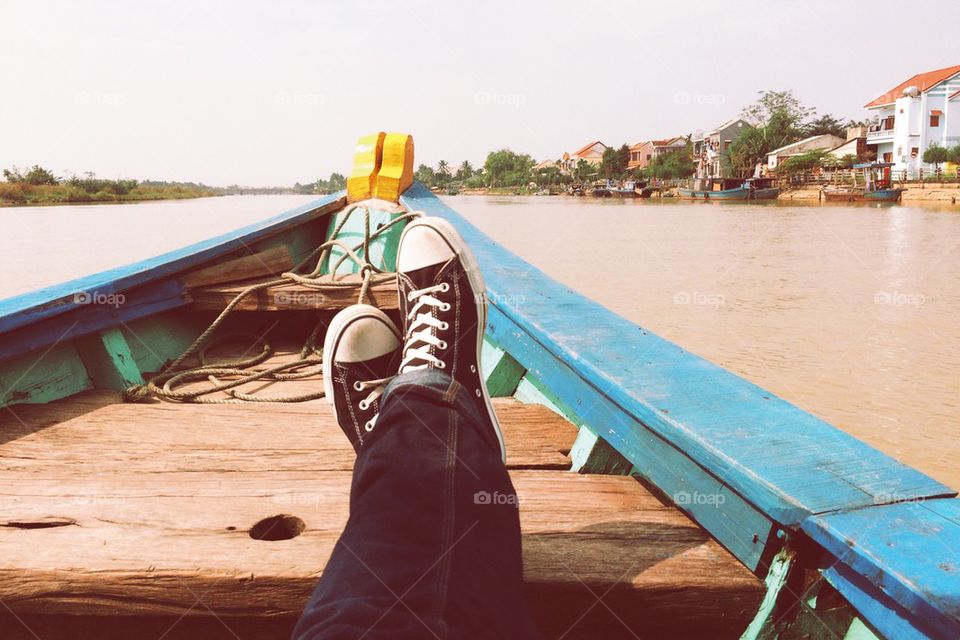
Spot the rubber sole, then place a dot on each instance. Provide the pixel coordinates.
(472, 269)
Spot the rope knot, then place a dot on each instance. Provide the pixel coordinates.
(136, 393)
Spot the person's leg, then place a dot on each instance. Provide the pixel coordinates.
(432, 547)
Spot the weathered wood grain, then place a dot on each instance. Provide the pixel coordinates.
(270, 262)
(165, 437)
(138, 510)
(295, 297)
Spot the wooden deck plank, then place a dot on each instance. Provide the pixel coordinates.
(162, 436)
(155, 502)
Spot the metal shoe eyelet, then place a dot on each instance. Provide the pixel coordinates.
(442, 345)
(445, 287)
(445, 306)
(357, 386)
(410, 297)
(442, 365)
(364, 405)
(368, 427)
(473, 369)
(444, 326)
(478, 393)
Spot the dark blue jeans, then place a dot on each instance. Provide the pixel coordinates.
(432, 546)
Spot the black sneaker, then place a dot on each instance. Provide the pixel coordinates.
(361, 353)
(444, 309)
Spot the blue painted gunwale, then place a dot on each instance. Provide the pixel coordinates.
(786, 462)
(910, 551)
(33, 306)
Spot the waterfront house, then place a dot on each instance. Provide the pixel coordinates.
(826, 141)
(855, 145)
(642, 153)
(591, 152)
(710, 148)
(917, 113)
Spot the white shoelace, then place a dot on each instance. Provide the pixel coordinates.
(422, 325)
(376, 390)
(420, 338)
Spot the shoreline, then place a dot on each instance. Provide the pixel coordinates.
(939, 192)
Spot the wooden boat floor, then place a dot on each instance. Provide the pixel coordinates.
(133, 520)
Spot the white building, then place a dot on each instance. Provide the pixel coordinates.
(826, 141)
(914, 115)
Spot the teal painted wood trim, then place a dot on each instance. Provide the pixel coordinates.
(859, 631)
(531, 391)
(501, 372)
(28, 308)
(108, 360)
(741, 528)
(383, 249)
(159, 339)
(43, 375)
(592, 454)
(907, 551)
(783, 460)
(775, 581)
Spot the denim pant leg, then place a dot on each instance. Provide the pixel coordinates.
(432, 546)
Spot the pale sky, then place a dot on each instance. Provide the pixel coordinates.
(269, 93)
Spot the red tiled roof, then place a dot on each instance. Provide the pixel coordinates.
(587, 146)
(664, 143)
(923, 81)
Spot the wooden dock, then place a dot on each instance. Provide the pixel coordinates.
(135, 520)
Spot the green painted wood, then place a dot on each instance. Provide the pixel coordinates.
(859, 631)
(383, 250)
(108, 360)
(501, 371)
(775, 581)
(532, 391)
(592, 454)
(158, 339)
(43, 375)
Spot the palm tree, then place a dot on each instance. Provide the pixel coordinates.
(465, 171)
(443, 167)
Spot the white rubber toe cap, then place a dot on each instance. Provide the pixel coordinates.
(422, 245)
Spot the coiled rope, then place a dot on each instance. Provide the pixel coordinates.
(167, 385)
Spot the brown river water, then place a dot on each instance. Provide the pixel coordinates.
(852, 312)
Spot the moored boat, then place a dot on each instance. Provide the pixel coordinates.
(877, 186)
(733, 189)
(126, 501)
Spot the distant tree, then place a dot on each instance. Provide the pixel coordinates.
(465, 171)
(424, 175)
(935, 155)
(666, 166)
(953, 154)
(504, 168)
(826, 124)
(804, 162)
(755, 143)
(35, 175)
(777, 103)
(338, 181)
(584, 170)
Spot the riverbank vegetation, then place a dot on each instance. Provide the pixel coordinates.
(38, 185)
